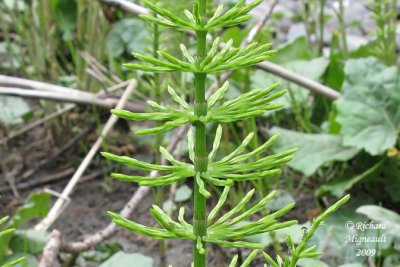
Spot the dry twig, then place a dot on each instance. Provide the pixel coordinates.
(55, 114)
(51, 250)
(78, 98)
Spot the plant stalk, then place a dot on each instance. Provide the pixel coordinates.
(342, 24)
(157, 85)
(159, 193)
(321, 26)
(200, 146)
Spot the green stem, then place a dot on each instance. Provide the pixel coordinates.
(321, 26)
(306, 18)
(201, 162)
(159, 193)
(310, 232)
(342, 23)
(157, 85)
(392, 33)
(200, 147)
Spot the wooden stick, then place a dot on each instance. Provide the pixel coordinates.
(300, 80)
(57, 209)
(51, 250)
(86, 98)
(10, 81)
(260, 23)
(57, 113)
(127, 6)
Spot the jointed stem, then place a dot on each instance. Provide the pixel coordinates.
(343, 28)
(201, 159)
(157, 86)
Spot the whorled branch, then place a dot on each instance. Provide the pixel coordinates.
(222, 172)
(228, 231)
(246, 106)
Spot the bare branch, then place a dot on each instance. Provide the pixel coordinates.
(55, 114)
(51, 250)
(73, 97)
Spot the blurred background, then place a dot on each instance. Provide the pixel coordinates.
(61, 72)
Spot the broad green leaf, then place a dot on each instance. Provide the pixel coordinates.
(121, 259)
(127, 35)
(314, 149)
(295, 50)
(311, 263)
(352, 265)
(364, 50)
(334, 76)
(313, 69)
(236, 34)
(66, 17)
(369, 112)
(383, 216)
(36, 205)
(183, 193)
(332, 237)
(392, 260)
(12, 110)
(339, 187)
(29, 241)
(281, 235)
(280, 200)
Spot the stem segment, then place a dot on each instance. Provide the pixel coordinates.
(200, 148)
(159, 193)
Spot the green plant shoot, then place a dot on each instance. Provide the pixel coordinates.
(228, 229)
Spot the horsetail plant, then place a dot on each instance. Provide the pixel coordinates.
(229, 229)
(302, 251)
(385, 15)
